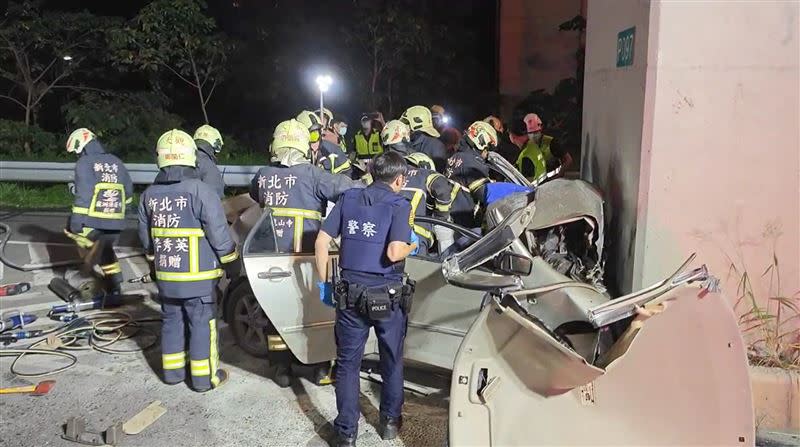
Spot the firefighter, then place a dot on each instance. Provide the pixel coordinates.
(367, 140)
(424, 137)
(183, 229)
(324, 154)
(375, 241)
(535, 155)
(429, 192)
(468, 168)
(103, 188)
(297, 193)
(209, 144)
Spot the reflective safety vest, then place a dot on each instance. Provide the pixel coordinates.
(298, 196)
(368, 148)
(103, 188)
(187, 255)
(365, 232)
(537, 155)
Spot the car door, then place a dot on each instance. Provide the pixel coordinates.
(683, 380)
(285, 286)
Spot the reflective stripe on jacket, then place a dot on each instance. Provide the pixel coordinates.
(103, 188)
(183, 226)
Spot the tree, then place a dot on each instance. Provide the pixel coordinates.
(175, 37)
(47, 50)
(390, 37)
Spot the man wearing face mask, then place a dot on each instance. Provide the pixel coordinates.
(326, 155)
(532, 161)
(340, 129)
(368, 139)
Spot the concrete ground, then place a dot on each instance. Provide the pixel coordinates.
(105, 389)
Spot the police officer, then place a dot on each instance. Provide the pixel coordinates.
(428, 191)
(183, 229)
(297, 193)
(367, 140)
(103, 188)
(209, 144)
(424, 137)
(375, 234)
(327, 155)
(468, 168)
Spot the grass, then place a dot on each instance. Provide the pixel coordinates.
(38, 195)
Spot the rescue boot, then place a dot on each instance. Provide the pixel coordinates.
(222, 375)
(344, 441)
(323, 374)
(283, 375)
(389, 427)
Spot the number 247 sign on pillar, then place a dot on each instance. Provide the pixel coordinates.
(625, 47)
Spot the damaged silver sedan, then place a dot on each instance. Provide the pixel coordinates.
(540, 353)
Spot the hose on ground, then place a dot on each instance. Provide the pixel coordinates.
(5, 235)
(96, 331)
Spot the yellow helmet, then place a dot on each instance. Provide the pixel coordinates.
(176, 148)
(78, 139)
(419, 118)
(210, 135)
(481, 135)
(421, 160)
(291, 134)
(327, 115)
(312, 123)
(395, 131)
(495, 122)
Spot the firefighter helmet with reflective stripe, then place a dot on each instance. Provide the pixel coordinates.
(495, 122)
(421, 160)
(291, 134)
(327, 116)
(210, 135)
(176, 148)
(395, 131)
(78, 139)
(481, 136)
(310, 120)
(419, 118)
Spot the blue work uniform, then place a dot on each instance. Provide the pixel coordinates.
(207, 168)
(103, 189)
(331, 158)
(467, 168)
(183, 229)
(432, 147)
(297, 195)
(367, 221)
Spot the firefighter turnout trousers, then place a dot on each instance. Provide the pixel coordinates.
(194, 316)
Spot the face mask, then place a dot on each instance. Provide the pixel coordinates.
(343, 130)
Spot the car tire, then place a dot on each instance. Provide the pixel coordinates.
(248, 321)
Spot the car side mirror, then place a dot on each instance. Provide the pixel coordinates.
(513, 264)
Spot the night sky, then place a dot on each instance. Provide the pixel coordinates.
(283, 45)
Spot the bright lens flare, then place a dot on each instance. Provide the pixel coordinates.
(324, 82)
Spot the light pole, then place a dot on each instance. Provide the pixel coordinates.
(323, 82)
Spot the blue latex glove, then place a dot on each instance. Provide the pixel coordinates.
(326, 293)
(414, 240)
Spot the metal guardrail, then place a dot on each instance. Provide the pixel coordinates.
(141, 173)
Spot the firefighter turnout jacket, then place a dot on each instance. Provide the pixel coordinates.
(432, 147)
(333, 159)
(297, 196)
(207, 168)
(182, 227)
(103, 188)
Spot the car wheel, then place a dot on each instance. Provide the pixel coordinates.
(248, 321)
